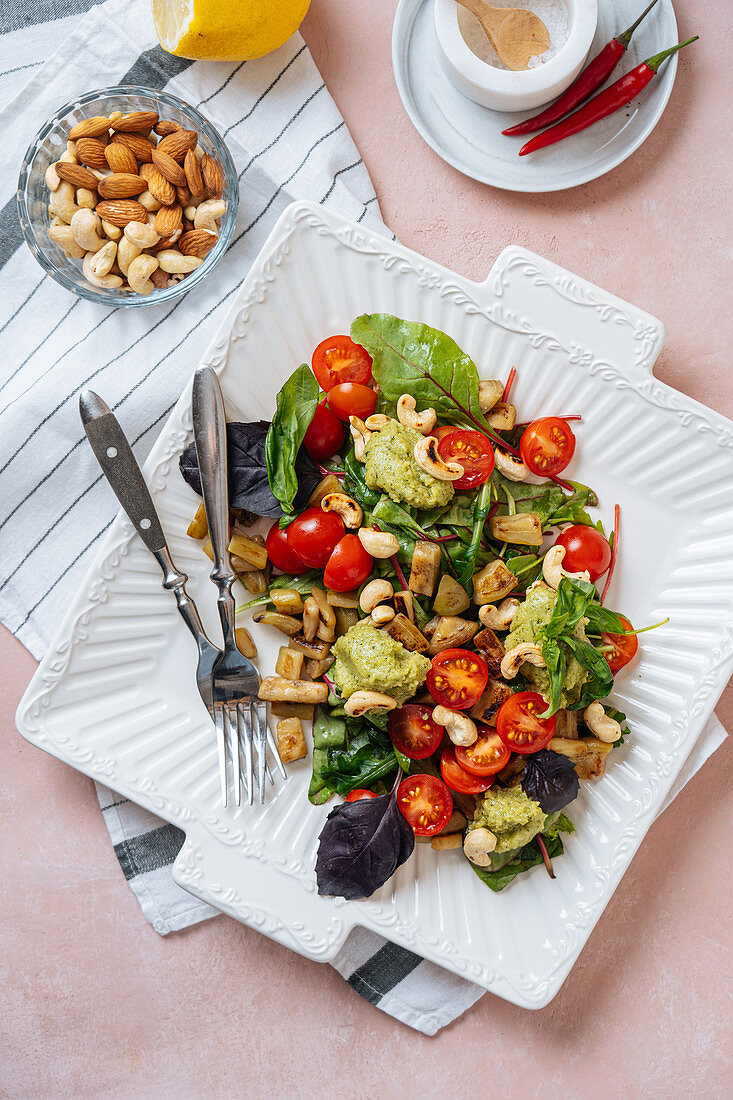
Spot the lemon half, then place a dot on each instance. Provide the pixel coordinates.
(226, 30)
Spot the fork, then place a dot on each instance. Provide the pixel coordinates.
(236, 681)
(119, 466)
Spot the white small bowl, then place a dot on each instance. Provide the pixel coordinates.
(504, 89)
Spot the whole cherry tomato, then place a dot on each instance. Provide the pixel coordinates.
(547, 445)
(519, 725)
(359, 793)
(325, 434)
(413, 731)
(352, 399)
(281, 553)
(313, 536)
(473, 451)
(457, 778)
(585, 548)
(338, 359)
(456, 678)
(348, 566)
(426, 804)
(625, 647)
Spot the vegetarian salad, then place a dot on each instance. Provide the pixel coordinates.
(434, 575)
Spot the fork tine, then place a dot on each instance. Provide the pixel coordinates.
(234, 750)
(268, 739)
(245, 725)
(221, 750)
(261, 728)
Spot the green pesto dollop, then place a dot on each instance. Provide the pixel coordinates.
(391, 467)
(534, 613)
(368, 659)
(510, 815)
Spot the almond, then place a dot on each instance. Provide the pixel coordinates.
(91, 152)
(169, 168)
(89, 127)
(120, 158)
(137, 122)
(183, 196)
(194, 179)
(168, 220)
(177, 145)
(76, 175)
(197, 242)
(167, 242)
(166, 126)
(211, 172)
(121, 185)
(159, 278)
(161, 188)
(121, 211)
(139, 146)
(146, 170)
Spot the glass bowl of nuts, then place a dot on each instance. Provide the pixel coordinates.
(128, 196)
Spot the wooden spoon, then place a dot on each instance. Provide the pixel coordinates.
(516, 35)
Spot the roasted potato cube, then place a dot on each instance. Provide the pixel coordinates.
(588, 754)
(451, 597)
(502, 417)
(343, 599)
(249, 548)
(287, 601)
(317, 649)
(304, 711)
(523, 529)
(447, 841)
(495, 693)
(491, 649)
(289, 663)
(403, 605)
(567, 724)
(493, 583)
(239, 565)
(346, 617)
(198, 528)
(451, 631)
(244, 641)
(316, 669)
(511, 775)
(425, 568)
(330, 484)
(276, 689)
(402, 630)
(255, 582)
(291, 740)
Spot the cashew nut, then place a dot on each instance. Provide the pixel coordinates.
(108, 282)
(63, 202)
(374, 593)
(141, 234)
(428, 459)
(174, 262)
(377, 421)
(84, 226)
(489, 392)
(361, 701)
(52, 179)
(601, 724)
(311, 619)
(360, 434)
(458, 726)
(85, 198)
(553, 571)
(512, 468)
(525, 651)
(189, 213)
(139, 271)
(345, 506)
(69, 155)
(149, 201)
(62, 236)
(478, 846)
(104, 259)
(113, 231)
(380, 544)
(498, 617)
(382, 614)
(422, 422)
(126, 253)
(207, 214)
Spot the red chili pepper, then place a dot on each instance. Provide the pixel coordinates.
(594, 74)
(605, 103)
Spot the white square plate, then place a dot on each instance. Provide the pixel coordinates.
(115, 695)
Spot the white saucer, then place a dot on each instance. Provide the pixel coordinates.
(469, 137)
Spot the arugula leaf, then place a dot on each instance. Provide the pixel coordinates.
(388, 513)
(572, 510)
(296, 403)
(466, 562)
(410, 357)
(302, 584)
(355, 483)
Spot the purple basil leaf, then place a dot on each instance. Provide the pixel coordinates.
(550, 779)
(361, 845)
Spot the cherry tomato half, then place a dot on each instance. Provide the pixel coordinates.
(426, 804)
(473, 451)
(458, 779)
(357, 794)
(456, 678)
(352, 399)
(487, 756)
(625, 647)
(348, 566)
(444, 430)
(585, 548)
(281, 553)
(338, 359)
(519, 725)
(325, 434)
(547, 445)
(313, 536)
(413, 731)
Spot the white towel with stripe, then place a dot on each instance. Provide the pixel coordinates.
(288, 142)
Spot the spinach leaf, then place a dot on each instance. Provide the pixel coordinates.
(525, 567)
(572, 510)
(556, 663)
(361, 846)
(573, 599)
(302, 584)
(523, 860)
(603, 619)
(459, 513)
(389, 514)
(550, 779)
(404, 761)
(410, 357)
(368, 757)
(249, 487)
(295, 405)
(561, 824)
(328, 731)
(355, 484)
(601, 678)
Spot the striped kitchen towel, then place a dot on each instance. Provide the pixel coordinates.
(288, 142)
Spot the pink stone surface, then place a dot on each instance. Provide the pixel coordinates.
(95, 1004)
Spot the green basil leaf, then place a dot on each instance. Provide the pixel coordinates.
(603, 619)
(600, 683)
(295, 405)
